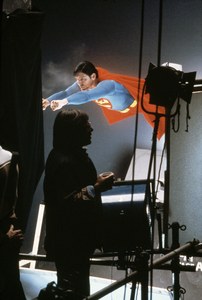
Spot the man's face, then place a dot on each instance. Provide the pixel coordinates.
(85, 133)
(86, 82)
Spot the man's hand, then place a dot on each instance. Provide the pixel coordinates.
(58, 104)
(45, 103)
(12, 233)
(104, 182)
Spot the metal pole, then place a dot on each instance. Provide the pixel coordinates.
(133, 276)
(175, 264)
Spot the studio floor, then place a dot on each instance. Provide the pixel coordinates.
(33, 280)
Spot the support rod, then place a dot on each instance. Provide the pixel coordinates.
(133, 276)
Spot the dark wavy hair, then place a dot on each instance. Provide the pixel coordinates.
(67, 129)
(85, 67)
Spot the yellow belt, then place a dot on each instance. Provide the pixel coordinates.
(133, 104)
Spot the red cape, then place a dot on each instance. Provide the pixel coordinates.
(131, 84)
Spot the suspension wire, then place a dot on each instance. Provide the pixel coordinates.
(160, 32)
(152, 207)
(138, 95)
(137, 112)
(138, 100)
(154, 165)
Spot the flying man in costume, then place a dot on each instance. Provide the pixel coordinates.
(116, 94)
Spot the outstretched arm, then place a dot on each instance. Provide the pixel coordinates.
(60, 97)
(103, 89)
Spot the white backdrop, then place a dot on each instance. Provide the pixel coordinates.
(186, 173)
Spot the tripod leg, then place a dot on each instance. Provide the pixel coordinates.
(132, 295)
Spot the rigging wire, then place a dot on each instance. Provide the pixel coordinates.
(138, 96)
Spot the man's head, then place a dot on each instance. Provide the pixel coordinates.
(72, 129)
(86, 75)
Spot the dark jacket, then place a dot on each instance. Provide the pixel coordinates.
(72, 216)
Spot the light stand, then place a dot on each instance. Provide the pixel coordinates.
(141, 266)
(162, 83)
(176, 290)
(165, 85)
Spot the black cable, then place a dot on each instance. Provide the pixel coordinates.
(187, 117)
(174, 127)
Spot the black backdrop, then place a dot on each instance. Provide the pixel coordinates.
(21, 117)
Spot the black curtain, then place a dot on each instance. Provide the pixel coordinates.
(21, 115)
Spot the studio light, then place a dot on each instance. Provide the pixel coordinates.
(165, 84)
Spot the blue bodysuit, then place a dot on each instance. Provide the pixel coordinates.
(108, 93)
(117, 95)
